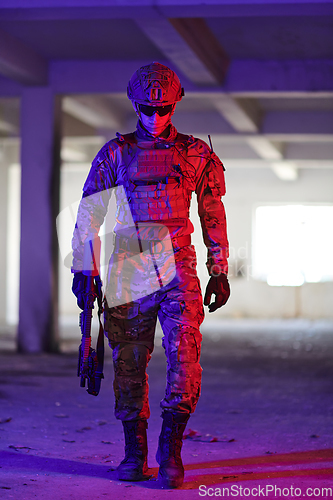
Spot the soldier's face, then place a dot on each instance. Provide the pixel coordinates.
(155, 124)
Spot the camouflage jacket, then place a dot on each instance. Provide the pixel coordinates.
(158, 176)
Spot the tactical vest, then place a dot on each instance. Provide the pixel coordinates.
(154, 182)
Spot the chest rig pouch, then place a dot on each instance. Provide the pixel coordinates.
(155, 183)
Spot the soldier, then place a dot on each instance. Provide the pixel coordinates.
(158, 169)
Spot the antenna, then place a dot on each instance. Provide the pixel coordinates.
(210, 143)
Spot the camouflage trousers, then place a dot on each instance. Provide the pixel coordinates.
(130, 329)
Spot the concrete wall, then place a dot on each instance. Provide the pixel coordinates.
(246, 189)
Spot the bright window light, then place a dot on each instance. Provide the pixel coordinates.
(293, 244)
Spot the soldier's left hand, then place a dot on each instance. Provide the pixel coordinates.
(219, 285)
(78, 288)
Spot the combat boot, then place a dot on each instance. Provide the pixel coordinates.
(134, 466)
(171, 471)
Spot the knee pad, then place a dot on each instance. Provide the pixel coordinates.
(183, 345)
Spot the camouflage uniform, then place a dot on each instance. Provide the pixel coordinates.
(158, 175)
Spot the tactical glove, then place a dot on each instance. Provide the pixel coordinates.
(219, 285)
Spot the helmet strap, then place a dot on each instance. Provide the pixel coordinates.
(137, 110)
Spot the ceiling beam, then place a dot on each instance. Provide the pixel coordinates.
(246, 117)
(206, 47)
(241, 119)
(95, 111)
(201, 58)
(258, 163)
(301, 75)
(266, 77)
(305, 122)
(265, 148)
(168, 40)
(280, 126)
(21, 63)
(320, 139)
(235, 146)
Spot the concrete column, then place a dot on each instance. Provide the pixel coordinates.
(40, 161)
(3, 230)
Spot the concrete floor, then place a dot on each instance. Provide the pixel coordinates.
(263, 425)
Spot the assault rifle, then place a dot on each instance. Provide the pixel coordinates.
(90, 363)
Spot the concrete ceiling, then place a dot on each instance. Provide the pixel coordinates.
(258, 75)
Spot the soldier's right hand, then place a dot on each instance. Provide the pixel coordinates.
(78, 288)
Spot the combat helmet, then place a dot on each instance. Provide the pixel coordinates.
(155, 85)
